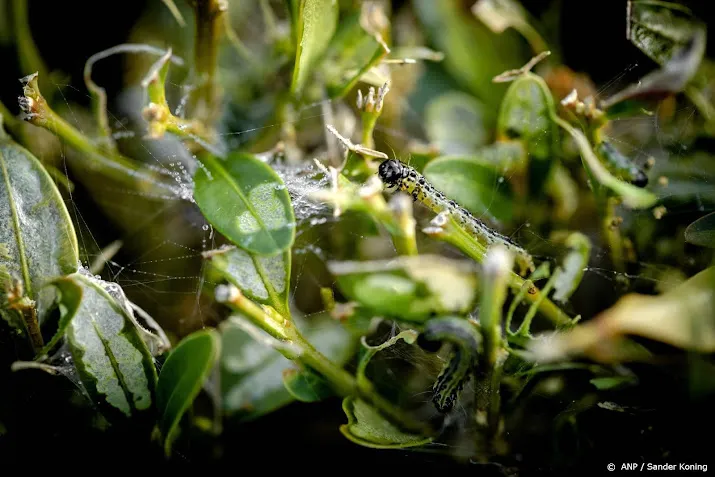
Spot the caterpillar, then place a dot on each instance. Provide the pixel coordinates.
(621, 166)
(394, 174)
(462, 363)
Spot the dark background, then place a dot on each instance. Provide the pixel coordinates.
(67, 33)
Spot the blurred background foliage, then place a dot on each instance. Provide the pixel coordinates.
(444, 104)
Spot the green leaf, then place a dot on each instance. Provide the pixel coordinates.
(112, 361)
(247, 202)
(69, 299)
(317, 21)
(683, 317)
(702, 231)
(409, 288)
(670, 35)
(573, 267)
(183, 374)
(351, 54)
(368, 428)
(525, 115)
(37, 238)
(456, 33)
(454, 123)
(689, 181)
(265, 279)
(659, 29)
(612, 382)
(306, 385)
(474, 184)
(252, 370)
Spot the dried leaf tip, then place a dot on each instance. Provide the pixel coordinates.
(511, 75)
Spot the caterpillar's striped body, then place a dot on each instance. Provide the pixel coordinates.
(621, 166)
(395, 174)
(461, 366)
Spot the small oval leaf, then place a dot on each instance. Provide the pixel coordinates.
(37, 238)
(702, 231)
(525, 115)
(317, 21)
(368, 428)
(247, 202)
(473, 184)
(409, 288)
(306, 386)
(113, 362)
(265, 279)
(184, 372)
(454, 123)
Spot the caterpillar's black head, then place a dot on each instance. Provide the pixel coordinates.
(639, 178)
(390, 172)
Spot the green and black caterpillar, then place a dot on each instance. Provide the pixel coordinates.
(621, 166)
(394, 174)
(463, 362)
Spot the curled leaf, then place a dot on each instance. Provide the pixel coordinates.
(683, 317)
(113, 362)
(368, 428)
(413, 288)
(409, 336)
(306, 385)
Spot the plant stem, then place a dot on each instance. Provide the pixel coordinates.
(29, 316)
(206, 98)
(498, 264)
(342, 382)
(612, 233)
(114, 165)
(453, 234)
(9, 120)
(28, 54)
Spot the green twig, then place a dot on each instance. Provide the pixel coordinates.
(498, 264)
(444, 228)
(287, 333)
(158, 114)
(9, 120)
(28, 54)
(208, 26)
(38, 112)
